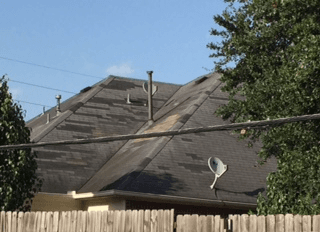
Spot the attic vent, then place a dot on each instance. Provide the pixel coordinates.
(85, 89)
(200, 80)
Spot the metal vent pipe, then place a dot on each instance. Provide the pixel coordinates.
(150, 96)
(58, 97)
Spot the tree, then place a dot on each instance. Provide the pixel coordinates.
(274, 46)
(18, 179)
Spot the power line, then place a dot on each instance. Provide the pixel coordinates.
(43, 66)
(39, 86)
(32, 103)
(233, 126)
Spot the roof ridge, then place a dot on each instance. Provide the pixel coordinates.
(137, 79)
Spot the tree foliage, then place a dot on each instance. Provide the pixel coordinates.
(275, 45)
(18, 179)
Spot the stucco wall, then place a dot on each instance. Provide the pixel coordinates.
(108, 203)
(63, 202)
(46, 202)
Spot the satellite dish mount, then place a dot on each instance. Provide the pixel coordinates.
(217, 167)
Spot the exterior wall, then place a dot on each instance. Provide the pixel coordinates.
(49, 202)
(59, 202)
(104, 204)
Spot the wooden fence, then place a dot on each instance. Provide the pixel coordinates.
(246, 223)
(83, 221)
(152, 221)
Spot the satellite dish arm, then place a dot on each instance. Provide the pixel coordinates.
(214, 182)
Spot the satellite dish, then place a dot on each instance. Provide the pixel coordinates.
(217, 167)
(145, 88)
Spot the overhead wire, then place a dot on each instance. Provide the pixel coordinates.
(233, 126)
(48, 67)
(40, 86)
(32, 103)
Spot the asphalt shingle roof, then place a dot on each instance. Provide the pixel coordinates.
(101, 111)
(173, 165)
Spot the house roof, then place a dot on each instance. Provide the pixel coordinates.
(167, 166)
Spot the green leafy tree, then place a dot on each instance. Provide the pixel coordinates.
(18, 179)
(273, 47)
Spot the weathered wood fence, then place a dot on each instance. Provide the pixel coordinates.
(152, 221)
(246, 223)
(83, 221)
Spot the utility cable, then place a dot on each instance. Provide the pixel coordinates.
(43, 66)
(39, 86)
(233, 126)
(17, 100)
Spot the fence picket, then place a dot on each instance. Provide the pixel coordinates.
(3, 221)
(316, 223)
(110, 221)
(14, 222)
(154, 221)
(25, 221)
(180, 224)
(104, 222)
(20, 221)
(167, 227)
(244, 222)
(297, 223)
(122, 221)
(160, 220)
(90, 225)
(49, 221)
(261, 223)
(30, 227)
(271, 223)
(280, 223)
(8, 221)
(288, 223)
(128, 221)
(202, 223)
(147, 221)
(73, 227)
(217, 223)
(37, 221)
(116, 221)
(253, 223)
(55, 221)
(192, 223)
(306, 222)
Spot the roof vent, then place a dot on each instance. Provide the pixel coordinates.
(128, 99)
(200, 80)
(85, 89)
(58, 110)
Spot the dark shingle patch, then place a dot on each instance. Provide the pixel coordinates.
(196, 168)
(96, 107)
(88, 115)
(120, 85)
(76, 128)
(102, 100)
(76, 106)
(78, 122)
(194, 156)
(163, 168)
(186, 140)
(185, 118)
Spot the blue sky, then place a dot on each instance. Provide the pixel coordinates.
(100, 38)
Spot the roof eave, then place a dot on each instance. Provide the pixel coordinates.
(166, 198)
